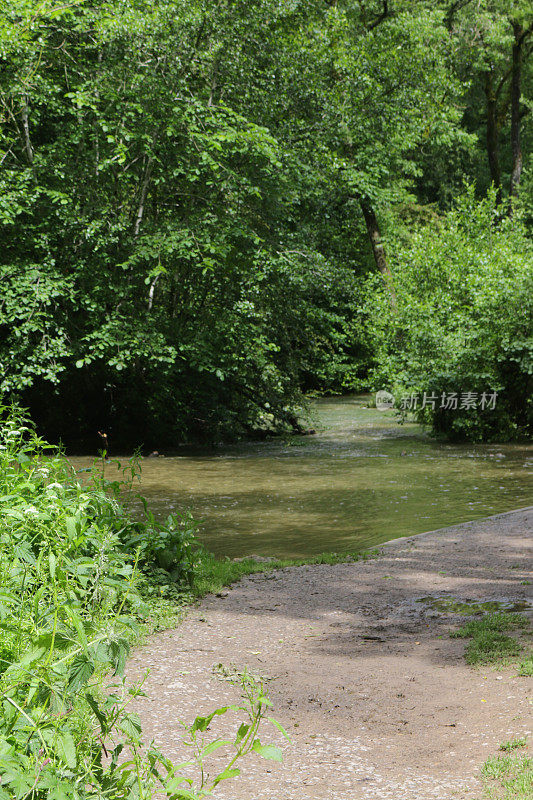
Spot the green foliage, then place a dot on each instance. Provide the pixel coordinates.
(464, 321)
(514, 744)
(494, 623)
(183, 244)
(71, 600)
(154, 284)
(490, 648)
(484, 35)
(525, 667)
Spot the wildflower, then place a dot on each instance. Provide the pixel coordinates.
(31, 511)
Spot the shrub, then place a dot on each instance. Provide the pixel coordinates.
(464, 321)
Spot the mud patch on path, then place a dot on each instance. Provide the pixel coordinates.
(473, 608)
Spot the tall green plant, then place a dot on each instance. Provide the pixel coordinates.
(71, 600)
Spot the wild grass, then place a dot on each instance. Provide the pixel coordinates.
(525, 666)
(508, 777)
(214, 574)
(489, 644)
(168, 600)
(514, 744)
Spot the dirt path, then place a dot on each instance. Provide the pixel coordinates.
(374, 693)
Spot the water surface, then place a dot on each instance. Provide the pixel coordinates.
(361, 480)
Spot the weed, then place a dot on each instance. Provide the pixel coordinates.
(514, 744)
(492, 623)
(255, 708)
(78, 573)
(525, 667)
(508, 777)
(233, 674)
(213, 574)
(489, 644)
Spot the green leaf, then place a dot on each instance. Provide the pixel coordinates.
(62, 791)
(228, 773)
(52, 565)
(70, 524)
(212, 746)
(130, 724)
(78, 625)
(80, 672)
(67, 749)
(20, 784)
(202, 723)
(241, 733)
(280, 728)
(267, 751)
(98, 713)
(172, 783)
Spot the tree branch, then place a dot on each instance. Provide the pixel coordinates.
(454, 8)
(383, 16)
(28, 148)
(378, 248)
(144, 189)
(516, 147)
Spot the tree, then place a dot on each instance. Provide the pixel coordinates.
(150, 273)
(192, 195)
(496, 41)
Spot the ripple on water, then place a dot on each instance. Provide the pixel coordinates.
(361, 480)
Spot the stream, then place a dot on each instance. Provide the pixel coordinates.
(360, 480)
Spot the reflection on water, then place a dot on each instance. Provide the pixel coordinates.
(362, 479)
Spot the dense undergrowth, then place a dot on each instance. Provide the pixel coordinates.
(77, 583)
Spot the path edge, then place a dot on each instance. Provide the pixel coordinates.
(448, 528)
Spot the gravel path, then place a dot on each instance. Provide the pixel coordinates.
(362, 672)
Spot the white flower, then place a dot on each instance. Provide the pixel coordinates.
(31, 511)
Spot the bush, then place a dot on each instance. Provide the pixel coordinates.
(464, 322)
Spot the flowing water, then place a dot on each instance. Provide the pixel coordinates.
(360, 480)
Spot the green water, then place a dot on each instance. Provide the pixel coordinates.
(361, 480)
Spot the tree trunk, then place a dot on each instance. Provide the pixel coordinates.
(144, 187)
(143, 193)
(28, 148)
(378, 248)
(493, 130)
(515, 112)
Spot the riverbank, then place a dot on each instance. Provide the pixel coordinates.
(361, 668)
